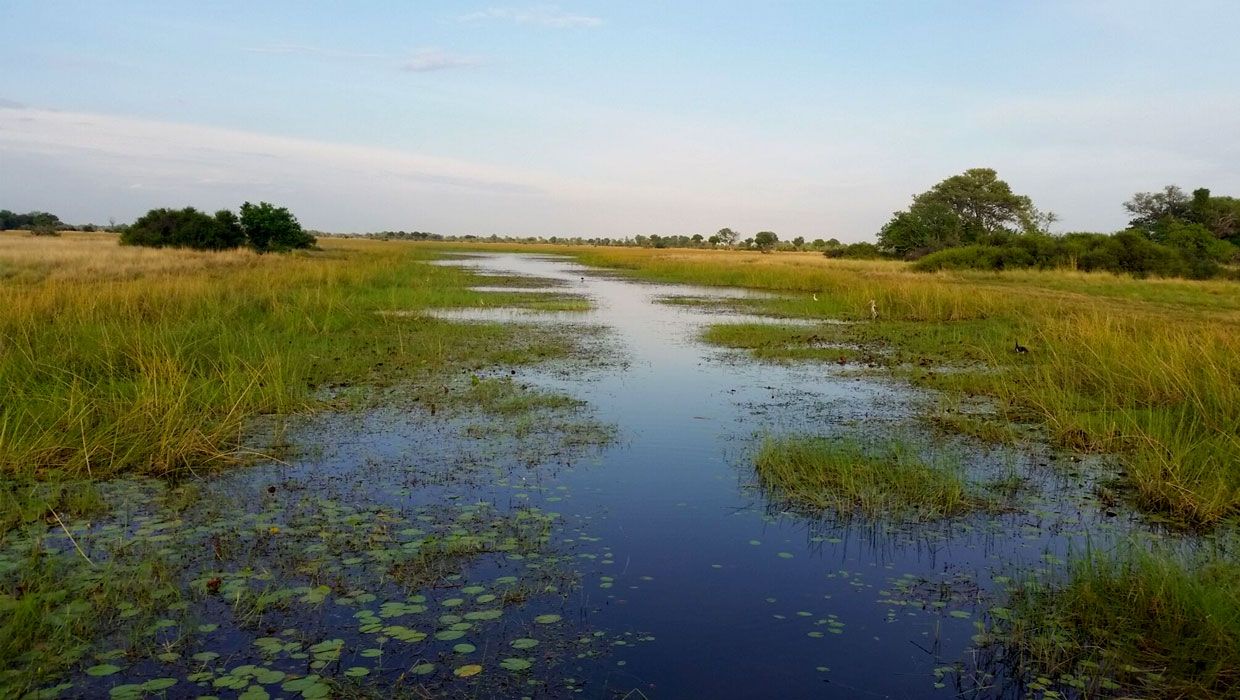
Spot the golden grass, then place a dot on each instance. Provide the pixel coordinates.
(117, 359)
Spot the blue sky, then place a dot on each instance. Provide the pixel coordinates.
(599, 118)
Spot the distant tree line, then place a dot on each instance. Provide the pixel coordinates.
(263, 227)
(37, 222)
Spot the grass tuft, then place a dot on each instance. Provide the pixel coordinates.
(847, 477)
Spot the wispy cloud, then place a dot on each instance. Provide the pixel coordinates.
(427, 60)
(10, 104)
(309, 51)
(107, 165)
(541, 15)
(422, 60)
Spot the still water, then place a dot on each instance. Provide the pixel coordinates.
(404, 552)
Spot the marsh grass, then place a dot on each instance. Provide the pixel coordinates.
(506, 397)
(1148, 369)
(848, 477)
(119, 360)
(775, 342)
(153, 364)
(984, 428)
(1147, 619)
(541, 424)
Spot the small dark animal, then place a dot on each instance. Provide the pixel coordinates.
(1021, 349)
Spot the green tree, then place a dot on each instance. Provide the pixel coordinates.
(962, 209)
(765, 241)
(727, 236)
(1150, 210)
(228, 229)
(35, 220)
(273, 229)
(1221, 215)
(923, 228)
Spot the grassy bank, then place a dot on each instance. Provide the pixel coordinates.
(847, 477)
(121, 360)
(1148, 369)
(1151, 619)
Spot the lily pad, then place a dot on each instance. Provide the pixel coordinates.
(467, 670)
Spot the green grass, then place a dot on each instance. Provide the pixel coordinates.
(847, 477)
(776, 342)
(1152, 621)
(505, 397)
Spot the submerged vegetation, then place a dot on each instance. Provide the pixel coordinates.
(847, 477)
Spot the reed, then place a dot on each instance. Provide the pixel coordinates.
(1153, 620)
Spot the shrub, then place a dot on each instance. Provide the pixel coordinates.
(856, 251)
(44, 229)
(185, 228)
(1190, 251)
(272, 228)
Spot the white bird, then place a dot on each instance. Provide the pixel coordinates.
(815, 297)
(873, 310)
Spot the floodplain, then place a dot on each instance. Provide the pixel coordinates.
(395, 469)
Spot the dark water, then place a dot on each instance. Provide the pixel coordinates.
(669, 573)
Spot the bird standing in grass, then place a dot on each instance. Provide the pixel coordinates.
(815, 297)
(873, 310)
(1021, 349)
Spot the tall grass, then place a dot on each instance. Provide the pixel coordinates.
(1164, 622)
(122, 360)
(847, 477)
(1149, 369)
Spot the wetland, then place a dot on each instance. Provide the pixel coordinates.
(499, 474)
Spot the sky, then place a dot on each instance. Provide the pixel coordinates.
(815, 119)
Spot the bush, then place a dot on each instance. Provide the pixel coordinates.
(855, 251)
(263, 226)
(40, 220)
(272, 228)
(185, 228)
(44, 229)
(1190, 251)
